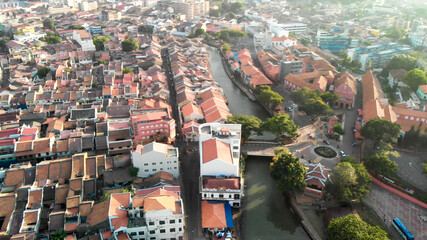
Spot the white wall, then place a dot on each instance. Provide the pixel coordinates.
(150, 163)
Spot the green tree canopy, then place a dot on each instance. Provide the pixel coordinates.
(230, 16)
(302, 95)
(226, 48)
(51, 39)
(48, 23)
(225, 36)
(214, 13)
(338, 129)
(234, 33)
(330, 97)
(249, 124)
(77, 26)
(316, 107)
(349, 182)
(351, 227)
(133, 171)
(99, 42)
(199, 31)
(281, 124)
(383, 132)
(130, 44)
(258, 90)
(415, 78)
(42, 72)
(58, 235)
(402, 61)
(395, 33)
(127, 70)
(270, 98)
(236, 6)
(146, 29)
(381, 164)
(288, 171)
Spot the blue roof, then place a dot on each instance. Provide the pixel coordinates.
(228, 215)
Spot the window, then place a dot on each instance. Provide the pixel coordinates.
(142, 132)
(154, 169)
(180, 229)
(141, 233)
(174, 168)
(162, 231)
(236, 196)
(172, 230)
(153, 163)
(161, 162)
(152, 231)
(161, 169)
(204, 195)
(230, 196)
(174, 161)
(172, 221)
(146, 170)
(151, 223)
(180, 220)
(221, 195)
(145, 164)
(161, 222)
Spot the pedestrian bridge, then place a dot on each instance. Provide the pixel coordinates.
(260, 148)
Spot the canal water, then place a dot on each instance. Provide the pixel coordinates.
(266, 213)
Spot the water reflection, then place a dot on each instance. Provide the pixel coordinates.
(266, 212)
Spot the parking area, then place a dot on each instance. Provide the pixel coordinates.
(411, 169)
(389, 206)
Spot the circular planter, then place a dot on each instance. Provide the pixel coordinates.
(325, 152)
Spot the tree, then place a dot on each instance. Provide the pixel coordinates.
(383, 132)
(281, 124)
(338, 129)
(105, 196)
(225, 36)
(130, 44)
(236, 6)
(99, 42)
(304, 94)
(199, 31)
(127, 70)
(402, 61)
(304, 42)
(270, 98)
(234, 33)
(351, 227)
(101, 61)
(395, 33)
(288, 171)
(249, 124)
(48, 23)
(146, 29)
(330, 97)
(58, 235)
(349, 182)
(230, 16)
(77, 26)
(316, 107)
(415, 78)
(258, 90)
(381, 164)
(51, 39)
(42, 72)
(348, 159)
(214, 13)
(226, 48)
(133, 171)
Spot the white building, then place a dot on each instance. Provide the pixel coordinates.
(84, 39)
(156, 157)
(156, 213)
(221, 189)
(294, 27)
(219, 149)
(28, 37)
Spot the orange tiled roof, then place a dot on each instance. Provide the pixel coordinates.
(216, 149)
(213, 215)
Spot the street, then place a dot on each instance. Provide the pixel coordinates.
(189, 165)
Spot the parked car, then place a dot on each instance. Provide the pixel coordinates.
(342, 154)
(289, 109)
(326, 142)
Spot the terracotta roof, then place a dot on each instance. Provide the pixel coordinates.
(221, 183)
(121, 218)
(61, 193)
(14, 177)
(153, 203)
(190, 109)
(216, 149)
(423, 88)
(213, 215)
(99, 213)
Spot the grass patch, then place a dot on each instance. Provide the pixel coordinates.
(370, 216)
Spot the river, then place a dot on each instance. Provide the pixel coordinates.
(266, 213)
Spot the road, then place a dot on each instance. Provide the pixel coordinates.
(189, 165)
